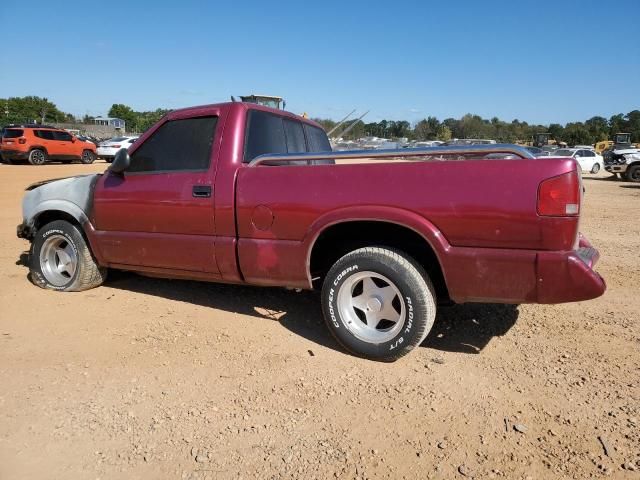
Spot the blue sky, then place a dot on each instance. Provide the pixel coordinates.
(540, 61)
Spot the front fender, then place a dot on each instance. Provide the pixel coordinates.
(65, 206)
(73, 196)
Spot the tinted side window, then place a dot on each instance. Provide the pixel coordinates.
(265, 135)
(317, 139)
(589, 153)
(61, 136)
(12, 133)
(176, 145)
(295, 136)
(44, 134)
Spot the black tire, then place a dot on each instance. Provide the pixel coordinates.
(37, 156)
(400, 271)
(633, 173)
(595, 168)
(87, 273)
(88, 157)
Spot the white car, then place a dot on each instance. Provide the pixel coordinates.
(588, 160)
(109, 148)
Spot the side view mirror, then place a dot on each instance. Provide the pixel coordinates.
(73, 139)
(120, 162)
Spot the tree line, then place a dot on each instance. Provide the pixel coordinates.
(595, 129)
(32, 109)
(588, 132)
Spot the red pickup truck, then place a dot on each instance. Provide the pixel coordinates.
(241, 193)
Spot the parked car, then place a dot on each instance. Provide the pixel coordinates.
(108, 149)
(588, 160)
(624, 163)
(84, 138)
(40, 143)
(537, 151)
(263, 204)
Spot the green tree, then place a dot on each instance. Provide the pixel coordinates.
(444, 133)
(29, 109)
(598, 128)
(577, 134)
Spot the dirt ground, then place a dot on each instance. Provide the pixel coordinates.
(149, 378)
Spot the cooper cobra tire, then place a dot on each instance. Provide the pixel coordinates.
(378, 303)
(60, 259)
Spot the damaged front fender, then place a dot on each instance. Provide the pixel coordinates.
(72, 196)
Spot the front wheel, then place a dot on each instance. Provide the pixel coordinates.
(60, 259)
(87, 157)
(633, 173)
(378, 303)
(595, 168)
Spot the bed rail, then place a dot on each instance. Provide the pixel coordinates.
(271, 159)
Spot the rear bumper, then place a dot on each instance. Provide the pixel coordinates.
(523, 276)
(14, 155)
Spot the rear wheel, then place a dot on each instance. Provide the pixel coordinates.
(633, 173)
(87, 157)
(37, 157)
(378, 303)
(60, 259)
(595, 168)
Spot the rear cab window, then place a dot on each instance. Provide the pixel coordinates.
(275, 134)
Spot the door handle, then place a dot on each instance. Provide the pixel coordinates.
(201, 191)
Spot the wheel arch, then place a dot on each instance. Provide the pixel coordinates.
(72, 214)
(343, 230)
(38, 147)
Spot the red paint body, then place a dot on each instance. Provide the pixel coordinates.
(260, 225)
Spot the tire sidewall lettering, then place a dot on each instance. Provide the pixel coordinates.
(403, 336)
(37, 273)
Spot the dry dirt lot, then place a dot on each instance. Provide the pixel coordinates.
(149, 378)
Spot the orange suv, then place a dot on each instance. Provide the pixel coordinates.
(40, 143)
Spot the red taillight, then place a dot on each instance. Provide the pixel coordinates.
(114, 146)
(560, 196)
(22, 140)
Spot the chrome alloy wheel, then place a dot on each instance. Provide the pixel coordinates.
(372, 307)
(58, 260)
(37, 157)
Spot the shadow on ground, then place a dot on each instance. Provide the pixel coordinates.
(459, 328)
(468, 328)
(632, 185)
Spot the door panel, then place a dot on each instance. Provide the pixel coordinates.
(161, 212)
(154, 220)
